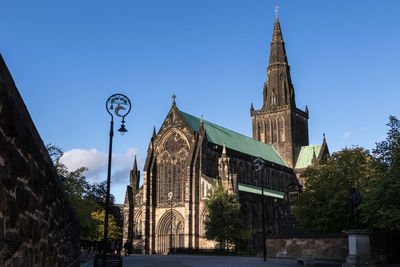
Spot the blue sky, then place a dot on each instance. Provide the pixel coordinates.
(68, 57)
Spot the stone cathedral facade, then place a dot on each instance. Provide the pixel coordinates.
(188, 155)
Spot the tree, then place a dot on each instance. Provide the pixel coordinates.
(224, 223)
(381, 208)
(76, 187)
(97, 193)
(114, 231)
(324, 205)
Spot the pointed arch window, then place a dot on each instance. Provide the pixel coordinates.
(274, 131)
(171, 171)
(266, 129)
(282, 129)
(273, 99)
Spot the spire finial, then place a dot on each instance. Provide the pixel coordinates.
(276, 11)
(201, 121)
(154, 131)
(224, 150)
(173, 98)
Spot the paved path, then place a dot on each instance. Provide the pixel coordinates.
(210, 261)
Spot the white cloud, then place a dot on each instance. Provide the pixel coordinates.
(96, 162)
(347, 134)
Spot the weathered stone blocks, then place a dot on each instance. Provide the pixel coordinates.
(38, 226)
(334, 248)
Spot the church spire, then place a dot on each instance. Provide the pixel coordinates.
(278, 90)
(279, 122)
(134, 176)
(135, 165)
(277, 53)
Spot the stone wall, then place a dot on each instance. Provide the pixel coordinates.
(38, 225)
(335, 248)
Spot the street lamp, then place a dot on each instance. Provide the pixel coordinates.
(120, 105)
(170, 201)
(259, 166)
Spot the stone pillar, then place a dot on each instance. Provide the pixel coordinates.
(359, 249)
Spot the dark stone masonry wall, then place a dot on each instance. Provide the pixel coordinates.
(38, 225)
(335, 248)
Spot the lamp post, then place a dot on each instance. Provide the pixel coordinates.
(170, 201)
(259, 166)
(121, 106)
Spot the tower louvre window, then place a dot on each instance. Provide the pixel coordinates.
(282, 129)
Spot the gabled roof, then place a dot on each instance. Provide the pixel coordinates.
(306, 156)
(235, 141)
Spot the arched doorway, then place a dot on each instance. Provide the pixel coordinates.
(164, 230)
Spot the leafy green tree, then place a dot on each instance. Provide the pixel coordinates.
(114, 231)
(224, 223)
(97, 193)
(324, 205)
(76, 187)
(381, 208)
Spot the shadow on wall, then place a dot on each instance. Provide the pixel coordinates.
(37, 222)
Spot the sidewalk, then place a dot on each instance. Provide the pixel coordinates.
(217, 261)
(221, 261)
(86, 259)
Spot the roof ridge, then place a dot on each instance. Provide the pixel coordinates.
(219, 126)
(232, 131)
(312, 145)
(236, 141)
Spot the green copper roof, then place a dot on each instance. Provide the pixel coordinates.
(257, 190)
(235, 141)
(306, 155)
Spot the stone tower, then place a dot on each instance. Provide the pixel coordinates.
(279, 122)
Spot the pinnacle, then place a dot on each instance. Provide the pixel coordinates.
(224, 150)
(135, 165)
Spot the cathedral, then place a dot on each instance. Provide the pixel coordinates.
(189, 155)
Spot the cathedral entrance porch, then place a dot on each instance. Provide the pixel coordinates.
(164, 232)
